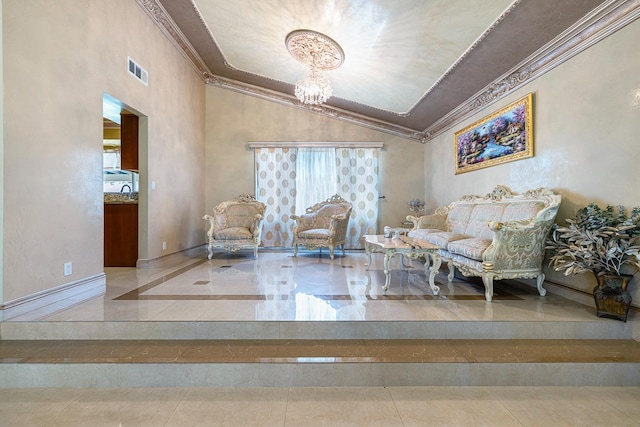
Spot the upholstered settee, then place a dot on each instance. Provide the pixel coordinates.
(323, 225)
(236, 224)
(498, 236)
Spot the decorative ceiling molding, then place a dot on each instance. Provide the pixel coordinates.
(469, 50)
(315, 50)
(601, 22)
(169, 28)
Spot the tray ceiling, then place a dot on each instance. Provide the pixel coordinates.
(410, 67)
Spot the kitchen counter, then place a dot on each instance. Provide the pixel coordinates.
(120, 198)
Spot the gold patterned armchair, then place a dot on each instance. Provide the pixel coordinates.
(324, 225)
(236, 224)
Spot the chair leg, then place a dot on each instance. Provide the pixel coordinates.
(342, 246)
(295, 249)
(210, 250)
(330, 252)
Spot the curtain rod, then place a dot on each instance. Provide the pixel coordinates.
(295, 144)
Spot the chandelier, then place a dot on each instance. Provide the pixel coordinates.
(319, 53)
(313, 89)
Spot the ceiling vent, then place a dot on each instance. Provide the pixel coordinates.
(138, 72)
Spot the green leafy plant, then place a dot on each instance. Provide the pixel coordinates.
(601, 241)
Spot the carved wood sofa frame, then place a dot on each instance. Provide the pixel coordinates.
(498, 236)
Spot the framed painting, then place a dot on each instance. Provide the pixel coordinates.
(501, 137)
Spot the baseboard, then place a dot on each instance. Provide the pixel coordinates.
(55, 299)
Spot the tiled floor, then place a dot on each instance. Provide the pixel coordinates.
(308, 407)
(279, 287)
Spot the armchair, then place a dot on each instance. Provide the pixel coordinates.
(236, 224)
(323, 225)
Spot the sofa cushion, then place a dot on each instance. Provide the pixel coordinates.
(470, 248)
(482, 214)
(521, 210)
(442, 238)
(458, 218)
(422, 232)
(315, 233)
(233, 233)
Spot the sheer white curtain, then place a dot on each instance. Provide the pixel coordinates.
(316, 177)
(275, 187)
(358, 183)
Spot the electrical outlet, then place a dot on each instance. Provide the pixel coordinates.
(68, 270)
(164, 246)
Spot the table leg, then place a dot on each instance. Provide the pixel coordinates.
(387, 272)
(367, 249)
(433, 270)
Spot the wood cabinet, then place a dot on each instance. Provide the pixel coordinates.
(129, 142)
(120, 234)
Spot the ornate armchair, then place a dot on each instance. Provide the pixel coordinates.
(323, 225)
(236, 224)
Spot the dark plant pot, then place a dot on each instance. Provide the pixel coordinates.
(611, 296)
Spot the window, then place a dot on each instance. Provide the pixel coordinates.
(290, 178)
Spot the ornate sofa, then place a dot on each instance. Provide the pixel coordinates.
(498, 236)
(236, 224)
(324, 225)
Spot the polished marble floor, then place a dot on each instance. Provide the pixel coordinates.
(309, 287)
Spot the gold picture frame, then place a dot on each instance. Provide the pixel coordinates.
(501, 137)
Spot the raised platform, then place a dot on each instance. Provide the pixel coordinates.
(300, 322)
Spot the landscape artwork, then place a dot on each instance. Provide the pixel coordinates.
(503, 136)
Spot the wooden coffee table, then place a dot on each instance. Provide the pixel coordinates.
(405, 246)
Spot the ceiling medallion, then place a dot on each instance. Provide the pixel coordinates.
(319, 53)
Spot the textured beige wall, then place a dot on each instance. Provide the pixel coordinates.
(586, 131)
(234, 119)
(60, 57)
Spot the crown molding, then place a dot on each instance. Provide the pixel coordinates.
(600, 23)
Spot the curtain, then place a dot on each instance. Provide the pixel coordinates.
(358, 183)
(289, 180)
(275, 187)
(315, 176)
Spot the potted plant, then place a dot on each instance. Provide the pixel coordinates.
(606, 243)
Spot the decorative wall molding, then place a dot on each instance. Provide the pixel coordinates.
(57, 298)
(600, 23)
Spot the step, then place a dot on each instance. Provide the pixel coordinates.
(318, 363)
(597, 328)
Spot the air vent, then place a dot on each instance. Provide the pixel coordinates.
(138, 72)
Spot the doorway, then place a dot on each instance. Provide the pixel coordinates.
(120, 184)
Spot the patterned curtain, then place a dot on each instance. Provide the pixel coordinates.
(358, 183)
(282, 173)
(275, 187)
